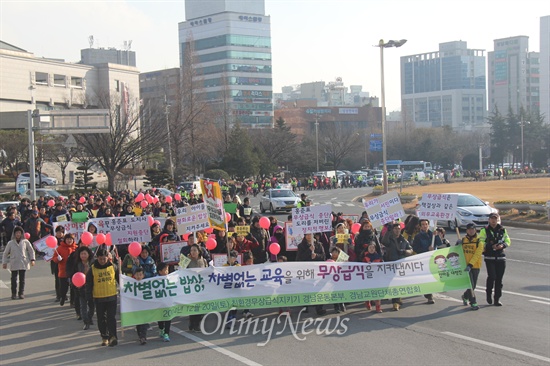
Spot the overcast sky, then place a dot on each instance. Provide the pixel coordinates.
(312, 40)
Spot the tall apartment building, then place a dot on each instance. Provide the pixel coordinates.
(445, 88)
(513, 76)
(545, 67)
(231, 41)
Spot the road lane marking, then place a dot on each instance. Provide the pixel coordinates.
(517, 260)
(490, 344)
(531, 241)
(216, 348)
(482, 289)
(3, 285)
(540, 302)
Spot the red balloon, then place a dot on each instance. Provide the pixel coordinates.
(79, 279)
(157, 222)
(139, 197)
(27, 236)
(177, 196)
(134, 248)
(51, 203)
(51, 241)
(108, 240)
(144, 204)
(149, 198)
(211, 244)
(108, 198)
(264, 223)
(155, 199)
(209, 230)
(92, 196)
(86, 238)
(212, 236)
(186, 236)
(227, 216)
(82, 199)
(168, 199)
(274, 248)
(151, 220)
(355, 228)
(100, 238)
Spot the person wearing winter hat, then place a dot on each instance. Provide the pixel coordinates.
(20, 256)
(278, 238)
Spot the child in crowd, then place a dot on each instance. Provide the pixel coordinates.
(282, 259)
(334, 254)
(372, 256)
(147, 263)
(129, 264)
(231, 261)
(141, 329)
(164, 326)
(84, 259)
(444, 242)
(197, 261)
(248, 260)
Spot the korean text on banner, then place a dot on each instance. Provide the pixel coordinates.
(75, 228)
(212, 195)
(202, 290)
(192, 218)
(437, 206)
(384, 209)
(124, 229)
(312, 219)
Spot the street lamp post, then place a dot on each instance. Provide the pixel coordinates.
(169, 143)
(381, 44)
(522, 123)
(317, 139)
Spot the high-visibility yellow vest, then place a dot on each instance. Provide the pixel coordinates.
(104, 282)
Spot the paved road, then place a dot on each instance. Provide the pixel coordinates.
(37, 331)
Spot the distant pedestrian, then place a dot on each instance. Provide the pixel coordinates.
(19, 254)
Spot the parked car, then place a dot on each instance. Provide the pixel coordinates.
(43, 181)
(165, 192)
(43, 192)
(4, 205)
(470, 210)
(375, 180)
(278, 200)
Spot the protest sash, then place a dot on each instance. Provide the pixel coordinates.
(285, 284)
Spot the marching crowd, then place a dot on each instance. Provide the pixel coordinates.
(100, 266)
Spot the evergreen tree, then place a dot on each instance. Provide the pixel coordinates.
(240, 159)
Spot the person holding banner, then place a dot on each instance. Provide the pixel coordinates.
(311, 250)
(245, 210)
(341, 239)
(495, 240)
(397, 247)
(164, 326)
(367, 234)
(20, 256)
(197, 261)
(425, 241)
(64, 250)
(101, 286)
(262, 237)
(473, 252)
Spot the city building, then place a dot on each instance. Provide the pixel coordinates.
(228, 44)
(445, 88)
(28, 82)
(513, 76)
(545, 67)
(95, 56)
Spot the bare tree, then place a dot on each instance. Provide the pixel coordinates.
(62, 154)
(14, 143)
(338, 143)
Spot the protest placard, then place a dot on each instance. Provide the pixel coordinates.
(438, 206)
(41, 246)
(190, 219)
(242, 230)
(353, 218)
(212, 195)
(75, 228)
(124, 229)
(384, 209)
(312, 219)
(170, 252)
(292, 238)
(219, 260)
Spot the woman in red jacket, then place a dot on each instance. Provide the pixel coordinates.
(64, 250)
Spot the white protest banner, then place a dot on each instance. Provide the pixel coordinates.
(75, 228)
(40, 246)
(203, 290)
(125, 229)
(438, 206)
(190, 219)
(170, 252)
(384, 209)
(292, 237)
(312, 219)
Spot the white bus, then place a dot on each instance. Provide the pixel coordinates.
(417, 165)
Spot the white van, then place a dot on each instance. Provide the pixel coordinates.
(191, 186)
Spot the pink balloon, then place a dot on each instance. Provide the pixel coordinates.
(134, 248)
(212, 236)
(51, 241)
(264, 223)
(227, 216)
(168, 199)
(330, 260)
(274, 248)
(92, 196)
(108, 198)
(79, 279)
(144, 204)
(209, 230)
(108, 240)
(86, 238)
(155, 199)
(157, 222)
(27, 236)
(51, 203)
(82, 199)
(186, 236)
(139, 197)
(149, 198)
(100, 238)
(211, 244)
(177, 196)
(355, 228)
(151, 220)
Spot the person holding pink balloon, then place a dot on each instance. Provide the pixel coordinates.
(84, 259)
(276, 238)
(258, 230)
(20, 256)
(63, 251)
(53, 243)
